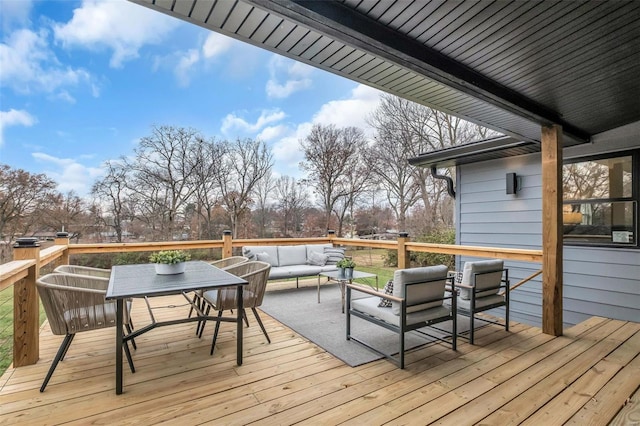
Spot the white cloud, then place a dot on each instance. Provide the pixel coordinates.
(352, 111)
(29, 65)
(15, 13)
(120, 26)
(182, 70)
(14, 118)
(272, 132)
(68, 173)
(287, 77)
(234, 122)
(215, 45)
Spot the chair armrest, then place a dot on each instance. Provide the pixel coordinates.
(375, 293)
(73, 289)
(464, 286)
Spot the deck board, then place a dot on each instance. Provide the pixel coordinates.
(522, 376)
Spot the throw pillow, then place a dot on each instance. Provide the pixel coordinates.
(263, 257)
(249, 254)
(317, 258)
(334, 254)
(388, 289)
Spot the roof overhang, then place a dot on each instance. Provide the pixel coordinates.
(488, 149)
(511, 65)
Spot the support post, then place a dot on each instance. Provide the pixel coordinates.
(26, 306)
(331, 234)
(62, 239)
(552, 234)
(403, 254)
(227, 244)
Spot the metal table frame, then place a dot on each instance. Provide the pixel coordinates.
(141, 281)
(343, 281)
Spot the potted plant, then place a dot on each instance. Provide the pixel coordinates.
(169, 262)
(346, 266)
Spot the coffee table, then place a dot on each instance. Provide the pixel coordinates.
(335, 276)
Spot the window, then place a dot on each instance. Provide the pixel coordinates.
(601, 200)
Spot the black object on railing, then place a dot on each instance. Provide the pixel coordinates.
(403, 234)
(62, 234)
(226, 232)
(26, 242)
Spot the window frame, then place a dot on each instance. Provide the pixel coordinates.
(634, 198)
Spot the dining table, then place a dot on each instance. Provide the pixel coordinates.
(141, 281)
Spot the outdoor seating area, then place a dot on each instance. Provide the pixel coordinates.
(518, 376)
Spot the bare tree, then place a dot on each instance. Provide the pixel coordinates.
(111, 190)
(263, 193)
(66, 212)
(161, 177)
(420, 129)
(292, 201)
(207, 159)
(331, 155)
(246, 162)
(22, 194)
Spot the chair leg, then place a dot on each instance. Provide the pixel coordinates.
(244, 317)
(127, 352)
(201, 324)
(129, 330)
(66, 348)
(255, 312)
(215, 334)
(471, 327)
(59, 356)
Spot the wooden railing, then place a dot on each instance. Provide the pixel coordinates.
(23, 271)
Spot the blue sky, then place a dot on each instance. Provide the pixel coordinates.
(82, 81)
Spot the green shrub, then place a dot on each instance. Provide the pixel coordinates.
(446, 236)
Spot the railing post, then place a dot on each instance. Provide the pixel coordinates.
(26, 306)
(403, 254)
(227, 244)
(331, 234)
(62, 239)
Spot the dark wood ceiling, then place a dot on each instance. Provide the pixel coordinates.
(510, 65)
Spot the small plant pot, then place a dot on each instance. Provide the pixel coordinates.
(348, 273)
(341, 272)
(170, 268)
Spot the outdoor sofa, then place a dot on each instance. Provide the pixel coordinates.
(295, 261)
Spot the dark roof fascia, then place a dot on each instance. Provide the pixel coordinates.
(488, 149)
(345, 24)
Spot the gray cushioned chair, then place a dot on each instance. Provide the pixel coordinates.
(417, 302)
(484, 286)
(74, 304)
(257, 274)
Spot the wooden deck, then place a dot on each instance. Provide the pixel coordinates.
(585, 377)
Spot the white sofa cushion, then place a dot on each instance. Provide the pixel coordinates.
(292, 255)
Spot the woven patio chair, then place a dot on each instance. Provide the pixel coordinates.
(74, 304)
(100, 273)
(84, 270)
(222, 264)
(257, 274)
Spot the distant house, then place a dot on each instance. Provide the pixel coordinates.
(601, 247)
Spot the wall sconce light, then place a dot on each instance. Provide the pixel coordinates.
(513, 183)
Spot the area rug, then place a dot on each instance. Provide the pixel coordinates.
(325, 325)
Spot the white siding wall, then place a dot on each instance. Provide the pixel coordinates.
(597, 281)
